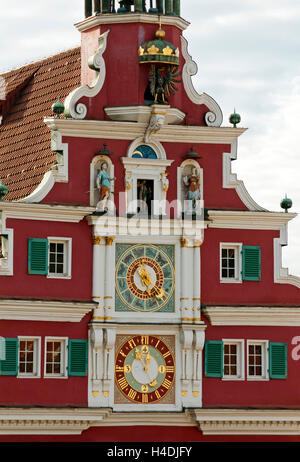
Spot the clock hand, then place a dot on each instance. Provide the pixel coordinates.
(139, 355)
(160, 293)
(145, 277)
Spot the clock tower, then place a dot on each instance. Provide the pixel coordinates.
(146, 335)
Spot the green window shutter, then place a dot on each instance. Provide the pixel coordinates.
(78, 357)
(251, 263)
(213, 361)
(38, 256)
(277, 360)
(9, 366)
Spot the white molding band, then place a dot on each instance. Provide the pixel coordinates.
(98, 20)
(214, 118)
(236, 219)
(43, 310)
(66, 421)
(45, 212)
(103, 129)
(252, 315)
(79, 110)
(248, 421)
(49, 421)
(142, 114)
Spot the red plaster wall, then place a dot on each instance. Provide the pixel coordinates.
(23, 285)
(263, 292)
(82, 151)
(71, 391)
(273, 393)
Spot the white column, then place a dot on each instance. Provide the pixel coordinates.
(186, 299)
(98, 276)
(109, 278)
(197, 282)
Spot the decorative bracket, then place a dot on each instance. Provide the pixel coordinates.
(96, 62)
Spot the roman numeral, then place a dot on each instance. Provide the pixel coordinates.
(166, 354)
(145, 340)
(144, 398)
(170, 368)
(119, 369)
(166, 384)
(123, 383)
(157, 394)
(123, 354)
(132, 394)
(132, 343)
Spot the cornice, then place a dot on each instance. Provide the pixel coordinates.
(237, 219)
(43, 310)
(162, 419)
(131, 130)
(166, 228)
(252, 315)
(247, 421)
(47, 212)
(98, 20)
(66, 421)
(50, 421)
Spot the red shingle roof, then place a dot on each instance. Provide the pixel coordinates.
(25, 154)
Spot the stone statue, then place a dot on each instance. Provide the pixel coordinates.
(191, 183)
(103, 182)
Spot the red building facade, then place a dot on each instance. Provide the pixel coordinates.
(142, 289)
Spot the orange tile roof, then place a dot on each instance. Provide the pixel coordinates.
(25, 154)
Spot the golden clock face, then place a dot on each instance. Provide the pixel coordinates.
(145, 278)
(144, 369)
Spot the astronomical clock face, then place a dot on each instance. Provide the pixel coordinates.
(145, 278)
(145, 369)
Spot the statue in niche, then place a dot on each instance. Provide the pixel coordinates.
(192, 190)
(145, 195)
(103, 181)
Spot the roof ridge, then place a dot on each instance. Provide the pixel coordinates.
(37, 62)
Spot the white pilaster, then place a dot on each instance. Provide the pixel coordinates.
(186, 298)
(98, 276)
(109, 278)
(197, 283)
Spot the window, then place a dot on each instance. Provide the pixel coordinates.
(257, 360)
(230, 266)
(225, 359)
(63, 357)
(50, 257)
(55, 357)
(29, 357)
(233, 361)
(239, 262)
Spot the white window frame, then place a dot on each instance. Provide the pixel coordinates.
(64, 358)
(240, 343)
(237, 246)
(67, 242)
(36, 357)
(6, 263)
(265, 360)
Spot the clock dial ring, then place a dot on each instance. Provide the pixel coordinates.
(145, 369)
(145, 278)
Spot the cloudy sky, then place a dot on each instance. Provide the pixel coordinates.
(248, 58)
